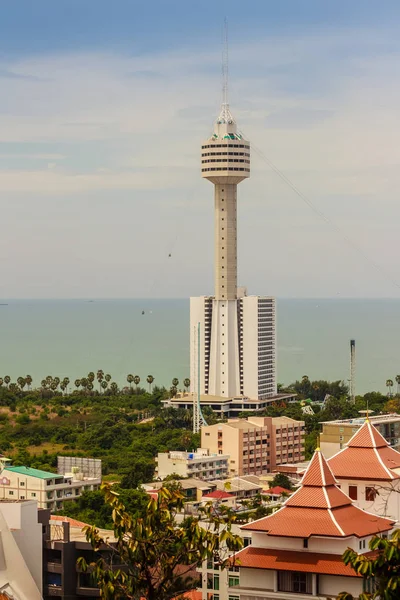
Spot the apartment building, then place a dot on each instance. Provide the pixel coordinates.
(336, 434)
(50, 490)
(256, 444)
(201, 464)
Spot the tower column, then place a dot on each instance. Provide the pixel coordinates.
(225, 241)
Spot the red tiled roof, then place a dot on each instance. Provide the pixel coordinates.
(278, 490)
(72, 522)
(318, 507)
(290, 560)
(219, 495)
(367, 456)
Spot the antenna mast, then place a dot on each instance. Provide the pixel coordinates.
(198, 419)
(225, 115)
(353, 371)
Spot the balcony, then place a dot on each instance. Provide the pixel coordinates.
(53, 590)
(86, 591)
(54, 566)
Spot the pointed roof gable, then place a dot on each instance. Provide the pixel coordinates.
(320, 508)
(367, 456)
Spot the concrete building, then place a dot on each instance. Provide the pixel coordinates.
(296, 553)
(201, 464)
(234, 355)
(256, 444)
(50, 490)
(336, 434)
(20, 551)
(368, 470)
(226, 408)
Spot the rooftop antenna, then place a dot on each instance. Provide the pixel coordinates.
(225, 115)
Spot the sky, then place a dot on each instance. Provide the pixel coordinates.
(103, 109)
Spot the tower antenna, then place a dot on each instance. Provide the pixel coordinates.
(225, 64)
(225, 115)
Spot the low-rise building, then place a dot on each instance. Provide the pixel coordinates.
(368, 470)
(201, 464)
(336, 434)
(50, 490)
(296, 552)
(256, 444)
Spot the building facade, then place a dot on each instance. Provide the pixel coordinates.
(336, 434)
(368, 470)
(50, 490)
(232, 335)
(256, 444)
(296, 553)
(201, 464)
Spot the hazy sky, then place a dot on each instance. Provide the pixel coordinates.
(103, 108)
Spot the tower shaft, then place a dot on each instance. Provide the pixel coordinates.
(225, 241)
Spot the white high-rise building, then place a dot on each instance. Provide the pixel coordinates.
(237, 332)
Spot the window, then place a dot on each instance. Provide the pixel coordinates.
(361, 545)
(305, 543)
(22, 497)
(33, 494)
(233, 598)
(370, 494)
(353, 492)
(233, 581)
(11, 493)
(22, 483)
(216, 582)
(289, 581)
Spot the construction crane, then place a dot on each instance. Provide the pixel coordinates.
(198, 417)
(353, 371)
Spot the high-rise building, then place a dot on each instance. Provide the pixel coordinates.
(237, 332)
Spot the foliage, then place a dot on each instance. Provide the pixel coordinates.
(281, 480)
(158, 556)
(381, 570)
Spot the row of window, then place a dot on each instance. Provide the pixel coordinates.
(226, 169)
(225, 154)
(225, 146)
(225, 160)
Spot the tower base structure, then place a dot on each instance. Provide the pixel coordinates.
(237, 346)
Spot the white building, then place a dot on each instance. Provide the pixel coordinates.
(200, 464)
(296, 553)
(234, 355)
(21, 553)
(50, 490)
(368, 470)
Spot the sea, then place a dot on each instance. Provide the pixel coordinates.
(151, 337)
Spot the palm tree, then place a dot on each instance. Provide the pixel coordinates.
(65, 383)
(84, 382)
(62, 386)
(53, 385)
(56, 380)
(398, 384)
(114, 387)
(1, 381)
(28, 380)
(136, 381)
(13, 388)
(389, 384)
(175, 382)
(100, 377)
(173, 391)
(21, 382)
(104, 385)
(49, 379)
(77, 383)
(89, 386)
(7, 380)
(129, 379)
(150, 380)
(90, 377)
(107, 377)
(186, 383)
(43, 384)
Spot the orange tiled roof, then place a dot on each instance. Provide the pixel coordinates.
(367, 456)
(320, 508)
(72, 522)
(290, 560)
(278, 490)
(218, 495)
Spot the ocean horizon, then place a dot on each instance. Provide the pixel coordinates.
(151, 336)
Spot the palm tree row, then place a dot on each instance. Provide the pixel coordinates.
(85, 383)
(389, 385)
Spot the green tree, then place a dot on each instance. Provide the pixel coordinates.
(136, 380)
(141, 471)
(389, 384)
(104, 385)
(158, 554)
(100, 377)
(28, 380)
(175, 382)
(129, 379)
(107, 377)
(77, 383)
(186, 383)
(398, 384)
(7, 380)
(381, 570)
(150, 380)
(282, 480)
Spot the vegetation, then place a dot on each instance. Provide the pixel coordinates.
(281, 480)
(381, 570)
(158, 556)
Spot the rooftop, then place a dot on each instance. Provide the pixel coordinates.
(375, 420)
(278, 491)
(29, 472)
(319, 508)
(290, 560)
(367, 456)
(218, 495)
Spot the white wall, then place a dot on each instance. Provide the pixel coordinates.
(315, 544)
(332, 586)
(256, 578)
(387, 501)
